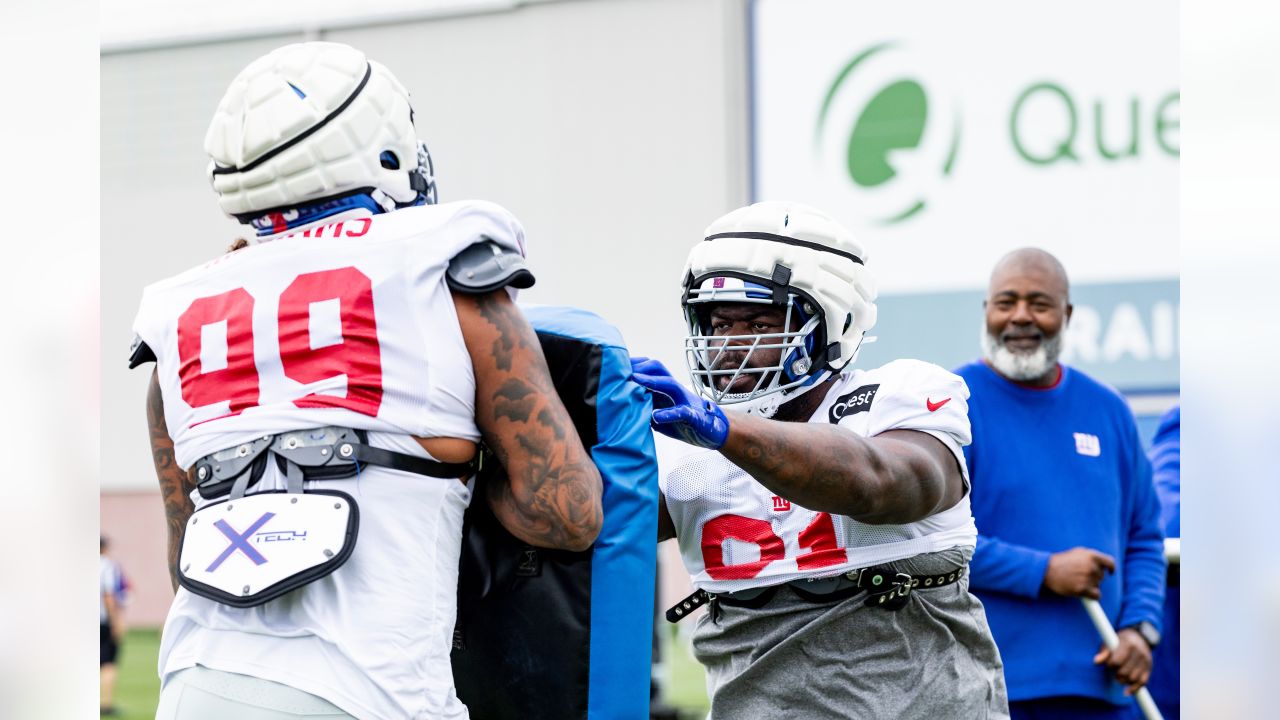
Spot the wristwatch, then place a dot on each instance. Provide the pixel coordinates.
(1148, 632)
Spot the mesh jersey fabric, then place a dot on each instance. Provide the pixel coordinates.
(346, 322)
(735, 534)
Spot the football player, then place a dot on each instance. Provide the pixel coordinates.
(318, 399)
(826, 517)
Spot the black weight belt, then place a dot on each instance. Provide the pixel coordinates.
(326, 453)
(887, 589)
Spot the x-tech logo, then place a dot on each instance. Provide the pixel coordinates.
(240, 541)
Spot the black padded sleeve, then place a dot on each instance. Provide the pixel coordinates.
(485, 267)
(524, 610)
(140, 353)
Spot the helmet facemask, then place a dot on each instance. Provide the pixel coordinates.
(797, 259)
(710, 357)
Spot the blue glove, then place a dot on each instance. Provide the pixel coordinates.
(677, 412)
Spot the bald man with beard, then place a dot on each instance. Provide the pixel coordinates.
(1065, 507)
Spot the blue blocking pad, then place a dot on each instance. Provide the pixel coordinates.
(557, 635)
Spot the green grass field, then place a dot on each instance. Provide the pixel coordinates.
(685, 682)
(137, 686)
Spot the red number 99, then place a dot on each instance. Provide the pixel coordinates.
(355, 353)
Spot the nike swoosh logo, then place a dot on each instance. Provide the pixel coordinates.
(933, 406)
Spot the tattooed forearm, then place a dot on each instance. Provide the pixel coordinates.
(546, 503)
(550, 496)
(175, 483)
(503, 346)
(515, 400)
(548, 420)
(897, 477)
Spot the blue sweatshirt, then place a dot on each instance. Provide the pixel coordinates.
(1053, 469)
(1166, 462)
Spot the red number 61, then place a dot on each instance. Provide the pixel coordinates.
(819, 539)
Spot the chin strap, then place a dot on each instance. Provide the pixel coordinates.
(767, 405)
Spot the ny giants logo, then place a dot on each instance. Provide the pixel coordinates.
(853, 403)
(1087, 444)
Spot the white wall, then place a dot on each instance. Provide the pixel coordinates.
(615, 129)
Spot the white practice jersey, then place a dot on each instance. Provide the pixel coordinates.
(734, 533)
(348, 323)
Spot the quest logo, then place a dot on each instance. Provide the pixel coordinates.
(890, 141)
(853, 403)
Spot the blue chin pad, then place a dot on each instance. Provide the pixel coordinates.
(808, 344)
(790, 359)
(786, 368)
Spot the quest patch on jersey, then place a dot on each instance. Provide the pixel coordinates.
(853, 403)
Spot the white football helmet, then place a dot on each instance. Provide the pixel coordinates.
(788, 255)
(310, 122)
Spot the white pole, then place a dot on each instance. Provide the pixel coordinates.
(1109, 637)
(1173, 550)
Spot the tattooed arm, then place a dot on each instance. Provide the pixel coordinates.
(551, 496)
(895, 477)
(175, 484)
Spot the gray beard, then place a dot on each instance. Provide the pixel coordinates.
(1024, 366)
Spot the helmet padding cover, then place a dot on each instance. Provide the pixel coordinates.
(796, 251)
(310, 121)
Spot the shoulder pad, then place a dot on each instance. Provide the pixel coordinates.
(140, 353)
(485, 267)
